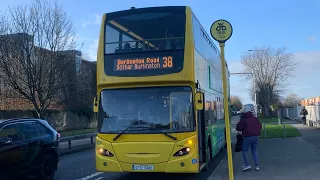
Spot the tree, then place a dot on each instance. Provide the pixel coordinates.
(78, 92)
(34, 45)
(271, 68)
(292, 100)
(87, 83)
(235, 103)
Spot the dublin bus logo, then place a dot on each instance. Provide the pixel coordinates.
(221, 29)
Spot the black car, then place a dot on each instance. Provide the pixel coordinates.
(28, 147)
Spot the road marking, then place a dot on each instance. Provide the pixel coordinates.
(91, 176)
(99, 178)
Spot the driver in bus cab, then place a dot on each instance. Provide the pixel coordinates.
(126, 47)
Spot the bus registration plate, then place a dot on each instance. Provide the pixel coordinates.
(142, 167)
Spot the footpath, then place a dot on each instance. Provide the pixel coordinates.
(295, 158)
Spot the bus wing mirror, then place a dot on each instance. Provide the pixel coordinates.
(95, 105)
(199, 101)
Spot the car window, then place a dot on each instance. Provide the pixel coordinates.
(28, 131)
(41, 130)
(11, 132)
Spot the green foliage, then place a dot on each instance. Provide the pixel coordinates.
(235, 103)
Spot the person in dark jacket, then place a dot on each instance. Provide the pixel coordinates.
(250, 127)
(304, 114)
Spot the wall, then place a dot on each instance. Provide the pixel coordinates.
(313, 113)
(60, 120)
(293, 113)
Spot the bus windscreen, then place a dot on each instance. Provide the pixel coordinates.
(157, 109)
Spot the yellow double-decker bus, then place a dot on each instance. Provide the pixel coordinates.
(159, 92)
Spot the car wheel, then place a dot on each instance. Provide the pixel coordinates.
(48, 169)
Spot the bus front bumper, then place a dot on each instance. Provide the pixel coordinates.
(188, 164)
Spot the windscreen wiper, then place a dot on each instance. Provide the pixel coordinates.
(149, 128)
(164, 133)
(169, 135)
(133, 125)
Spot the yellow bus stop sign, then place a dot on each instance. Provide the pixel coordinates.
(221, 30)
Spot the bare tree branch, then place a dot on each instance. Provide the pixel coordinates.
(292, 100)
(35, 51)
(272, 69)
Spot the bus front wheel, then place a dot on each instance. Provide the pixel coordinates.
(209, 156)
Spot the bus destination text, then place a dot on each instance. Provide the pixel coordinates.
(143, 63)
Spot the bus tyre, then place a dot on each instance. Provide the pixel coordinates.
(209, 156)
(209, 153)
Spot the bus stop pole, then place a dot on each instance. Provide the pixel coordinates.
(221, 31)
(226, 111)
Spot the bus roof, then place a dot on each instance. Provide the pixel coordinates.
(148, 9)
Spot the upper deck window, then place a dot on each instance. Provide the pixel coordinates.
(141, 32)
(144, 42)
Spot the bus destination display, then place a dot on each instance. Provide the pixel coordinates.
(143, 63)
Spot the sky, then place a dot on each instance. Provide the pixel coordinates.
(292, 24)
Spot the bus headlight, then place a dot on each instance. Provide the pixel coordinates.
(182, 152)
(105, 152)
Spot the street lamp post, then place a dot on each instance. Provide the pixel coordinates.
(254, 81)
(255, 95)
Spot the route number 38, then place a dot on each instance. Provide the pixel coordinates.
(167, 61)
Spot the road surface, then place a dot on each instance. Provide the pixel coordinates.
(81, 165)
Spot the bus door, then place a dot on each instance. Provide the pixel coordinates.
(201, 128)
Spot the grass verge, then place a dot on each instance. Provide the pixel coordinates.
(77, 132)
(277, 131)
(268, 119)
